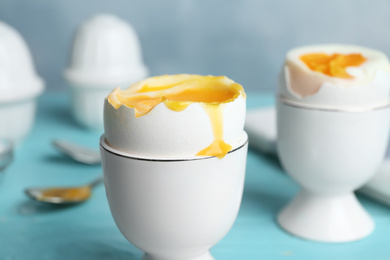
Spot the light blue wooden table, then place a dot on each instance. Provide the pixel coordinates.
(30, 230)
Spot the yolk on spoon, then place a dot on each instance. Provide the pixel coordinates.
(69, 194)
(334, 65)
(179, 91)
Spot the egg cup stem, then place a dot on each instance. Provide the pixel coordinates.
(326, 218)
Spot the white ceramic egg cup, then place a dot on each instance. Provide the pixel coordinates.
(174, 208)
(19, 86)
(87, 104)
(6, 156)
(17, 119)
(106, 54)
(330, 154)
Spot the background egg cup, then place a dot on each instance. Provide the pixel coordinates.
(17, 119)
(330, 154)
(6, 155)
(20, 86)
(174, 208)
(106, 54)
(87, 104)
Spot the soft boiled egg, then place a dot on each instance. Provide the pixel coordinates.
(336, 76)
(176, 116)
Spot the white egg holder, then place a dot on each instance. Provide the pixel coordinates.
(17, 119)
(20, 86)
(6, 155)
(174, 208)
(106, 54)
(87, 104)
(330, 154)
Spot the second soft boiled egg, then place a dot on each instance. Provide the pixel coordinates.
(176, 116)
(336, 77)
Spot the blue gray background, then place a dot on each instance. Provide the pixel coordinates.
(243, 39)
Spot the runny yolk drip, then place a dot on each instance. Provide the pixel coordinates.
(177, 92)
(334, 65)
(218, 147)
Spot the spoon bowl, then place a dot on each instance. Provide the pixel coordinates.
(77, 152)
(63, 195)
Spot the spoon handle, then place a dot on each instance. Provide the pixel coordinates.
(96, 182)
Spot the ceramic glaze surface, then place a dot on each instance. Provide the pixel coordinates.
(105, 54)
(106, 50)
(87, 106)
(174, 209)
(18, 79)
(6, 155)
(19, 85)
(330, 219)
(330, 154)
(17, 119)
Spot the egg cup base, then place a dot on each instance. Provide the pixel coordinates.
(204, 256)
(331, 219)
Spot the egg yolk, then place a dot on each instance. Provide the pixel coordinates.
(71, 194)
(177, 92)
(334, 65)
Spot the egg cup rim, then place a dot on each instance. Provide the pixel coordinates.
(91, 78)
(285, 101)
(104, 145)
(16, 100)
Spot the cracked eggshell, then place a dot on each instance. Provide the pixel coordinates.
(369, 88)
(163, 133)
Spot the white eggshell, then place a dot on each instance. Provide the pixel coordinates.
(164, 133)
(369, 88)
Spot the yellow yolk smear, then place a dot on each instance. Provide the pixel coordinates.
(334, 65)
(70, 194)
(178, 92)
